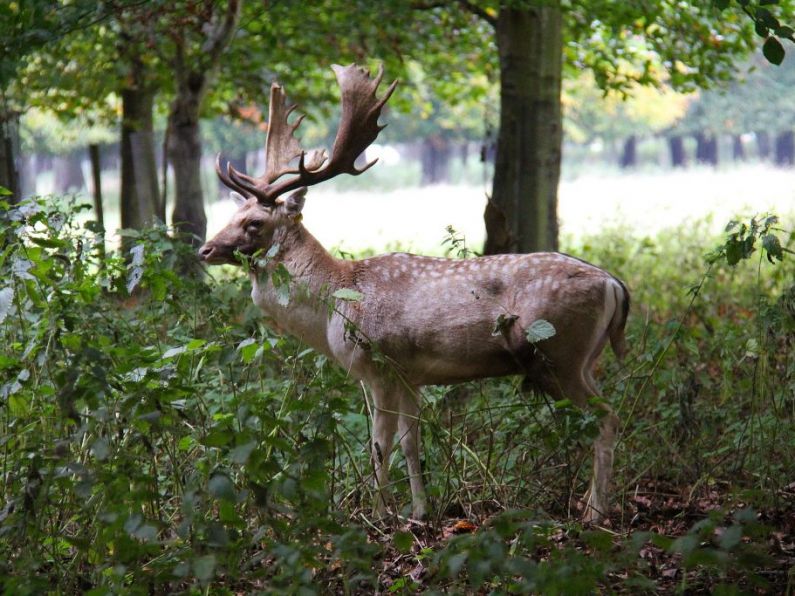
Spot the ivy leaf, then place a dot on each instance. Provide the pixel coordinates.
(348, 294)
(772, 246)
(539, 331)
(6, 301)
(773, 50)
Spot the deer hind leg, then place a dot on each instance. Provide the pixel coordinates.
(579, 386)
(409, 432)
(597, 499)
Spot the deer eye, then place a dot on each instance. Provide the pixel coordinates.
(253, 227)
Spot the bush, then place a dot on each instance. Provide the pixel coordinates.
(157, 437)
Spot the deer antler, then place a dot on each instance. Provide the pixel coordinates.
(358, 129)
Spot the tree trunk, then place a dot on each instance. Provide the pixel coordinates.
(785, 148)
(763, 144)
(706, 148)
(27, 175)
(9, 154)
(738, 149)
(139, 189)
(68, 172)
(521, 214)
(676, 146)
(435, 160)
(629, 156)
(184, 153)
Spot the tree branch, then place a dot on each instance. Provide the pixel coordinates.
(478, 12)
(219, 38)
(467, 5)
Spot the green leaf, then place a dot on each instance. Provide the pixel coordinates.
(146, 533)
(4, 192)
(218, 437)
(539, 331)
(403, 541)
(786, 32)
(597, 540)
(772, 245)
(204, 568)
(241, 453)
(773, 50)
(221, 487)
(731, 537)
(348, 294)
(48, 242)
(248, 349)
(101, 449)
(720, 4)
(6, 302)
(171, 352)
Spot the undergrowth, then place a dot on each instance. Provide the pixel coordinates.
(157, 437)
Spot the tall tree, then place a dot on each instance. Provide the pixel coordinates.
(623, 43)
(521, 214)
(198, 44)
(25, 27)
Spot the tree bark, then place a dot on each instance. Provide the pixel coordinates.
(9, 154)
(184, 154)
(629, 156)
(139, 189)
(707, 148)
(676, 146)
(68, 172)
(521, 215)
(763, 144)
(435, 160)
(738, 149)
(785, 148)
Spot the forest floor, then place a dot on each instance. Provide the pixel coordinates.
(657, 508)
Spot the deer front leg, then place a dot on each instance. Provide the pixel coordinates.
(409, 430)
(385, 419)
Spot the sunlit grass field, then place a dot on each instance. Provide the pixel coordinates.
(386, 210)
(639, 203)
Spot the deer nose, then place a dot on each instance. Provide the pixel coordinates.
(205, 251)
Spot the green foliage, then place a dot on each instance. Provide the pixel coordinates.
(157, 438)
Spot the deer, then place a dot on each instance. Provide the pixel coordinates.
(402, 321)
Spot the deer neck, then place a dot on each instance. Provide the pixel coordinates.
(313, 275)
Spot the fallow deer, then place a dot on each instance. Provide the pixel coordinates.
(430, 320)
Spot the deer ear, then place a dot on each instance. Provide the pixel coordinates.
(293, 204)
(237, 198)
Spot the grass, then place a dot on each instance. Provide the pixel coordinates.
(167, 441)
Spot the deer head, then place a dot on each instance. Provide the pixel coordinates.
(263, 207)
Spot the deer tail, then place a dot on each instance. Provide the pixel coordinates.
(618, 322)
